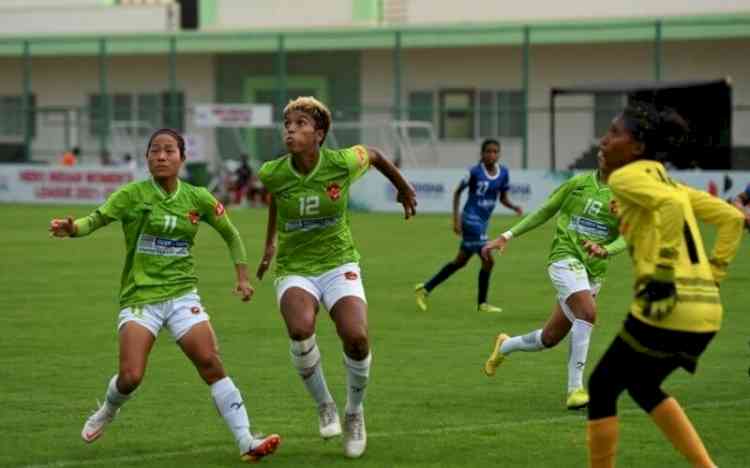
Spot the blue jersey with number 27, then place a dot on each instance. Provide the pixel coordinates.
(484, 190)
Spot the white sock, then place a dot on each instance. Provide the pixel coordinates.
(580, 334)
(306, 359)
(528, 342)
(357, 375)
(229, 402)
(114, 399)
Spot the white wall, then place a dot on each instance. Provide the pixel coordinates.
(269, 14)
(74, 18)
(431, 11)
(69, 81)
(555, 65)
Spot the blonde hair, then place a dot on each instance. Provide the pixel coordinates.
(315, 109)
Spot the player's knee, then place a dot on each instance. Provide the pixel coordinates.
(550, 338)
(129, 379)
(357, 346)
(300, 330)
(647, 397)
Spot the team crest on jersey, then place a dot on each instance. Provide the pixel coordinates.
(194, 216)
(351, 275)
(334, 191)
(219, 209)
(361, 153)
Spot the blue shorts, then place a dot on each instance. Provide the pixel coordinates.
(474, 238)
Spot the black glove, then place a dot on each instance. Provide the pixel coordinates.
(658, 296)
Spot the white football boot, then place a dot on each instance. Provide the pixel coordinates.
(355, 435)
(328, 419)
(95, 424)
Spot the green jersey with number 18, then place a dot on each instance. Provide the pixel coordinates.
(311, 210)
(159, 231)
(585, 211)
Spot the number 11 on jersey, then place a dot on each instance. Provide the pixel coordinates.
(309, 206)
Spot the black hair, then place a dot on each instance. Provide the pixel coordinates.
(488, 142)
(174, 134)
(664, 133)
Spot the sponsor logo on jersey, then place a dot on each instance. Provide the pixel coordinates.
(153, 245)
(351, 275)
(194, 216)
(310, 224)
(334, 191)
(219, 209)
(588, 227)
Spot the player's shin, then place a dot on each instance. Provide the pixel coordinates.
(228, 401)
(580, 337)
(602, 439)
(528, 342)
(676, 426)
(357, 376)
(306, 359)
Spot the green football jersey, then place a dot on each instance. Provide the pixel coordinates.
(312, 221)
(585, 211)
(159, 231)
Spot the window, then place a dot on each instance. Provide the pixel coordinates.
(457, 114)
(471, 114)
(606, 107)
(147, 111)
(11, 108)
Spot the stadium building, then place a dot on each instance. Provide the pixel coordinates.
(425, 80)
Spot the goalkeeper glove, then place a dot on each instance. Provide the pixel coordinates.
(658, 296)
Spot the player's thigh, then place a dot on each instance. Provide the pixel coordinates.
(135, 343)
(298, 298)
(184, 313)
(201, 346)
(569, 277)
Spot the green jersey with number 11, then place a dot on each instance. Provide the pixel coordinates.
(159, 230)
(311, 210)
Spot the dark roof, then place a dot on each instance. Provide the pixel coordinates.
(633, 86)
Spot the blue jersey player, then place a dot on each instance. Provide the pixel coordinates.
(487, 182)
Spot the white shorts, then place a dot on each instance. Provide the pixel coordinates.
(179, 315)
(327, 288)
(570, 276)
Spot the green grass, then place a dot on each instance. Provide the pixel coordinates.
(428, 405)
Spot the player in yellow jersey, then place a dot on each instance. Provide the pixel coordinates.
(676, 310)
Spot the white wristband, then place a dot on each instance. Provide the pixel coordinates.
(507, 235)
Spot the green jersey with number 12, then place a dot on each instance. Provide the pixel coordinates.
(311, 210)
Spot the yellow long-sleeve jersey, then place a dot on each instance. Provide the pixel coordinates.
(658, 221)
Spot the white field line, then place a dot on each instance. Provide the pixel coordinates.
(374, 435)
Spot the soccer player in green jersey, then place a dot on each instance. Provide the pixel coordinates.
(317, 261)
(160, 218)
(585, 237)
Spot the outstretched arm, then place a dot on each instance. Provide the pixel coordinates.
(67, 227)
(508, 204)
(270, 249)
(406, 194)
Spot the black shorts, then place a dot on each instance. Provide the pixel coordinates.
(681, 348)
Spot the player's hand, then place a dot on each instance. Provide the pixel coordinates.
(457, 227)
(245, 290)
(408, 198)
(594, 249)
(496, 244)
(658, 296)
(62, 227)
(265, 262)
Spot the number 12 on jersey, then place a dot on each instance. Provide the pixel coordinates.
(309, 206)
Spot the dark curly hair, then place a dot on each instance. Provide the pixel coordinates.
(664, 133)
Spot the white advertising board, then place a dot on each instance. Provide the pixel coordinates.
(232, 115)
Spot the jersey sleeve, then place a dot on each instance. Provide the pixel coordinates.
(465, 181)
(357, 160)
(616, 247)
(504, 180)
(638, 188)
(212, 212)
(729, 223)
(117, 206)
(548, 209)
